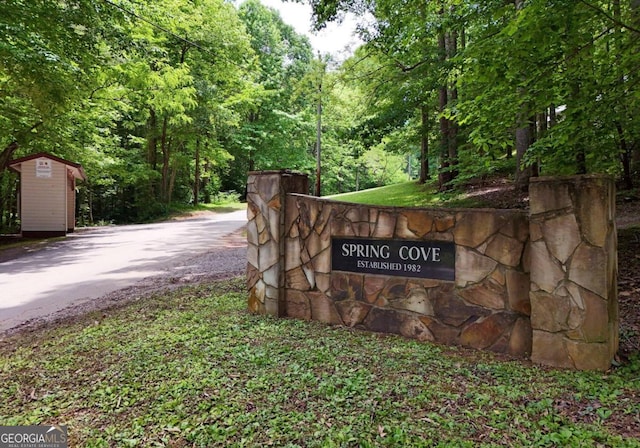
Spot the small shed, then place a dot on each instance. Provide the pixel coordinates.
(47, 194)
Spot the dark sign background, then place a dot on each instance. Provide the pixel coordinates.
(394, 265)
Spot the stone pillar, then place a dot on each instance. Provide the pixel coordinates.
(574, 300)
(266, 191)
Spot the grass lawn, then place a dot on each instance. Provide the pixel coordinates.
(226, 207)
(407, 194)
(193, 368)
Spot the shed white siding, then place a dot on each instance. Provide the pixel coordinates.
(43, 199)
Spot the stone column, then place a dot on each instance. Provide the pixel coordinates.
(574, 300)
(266, 191)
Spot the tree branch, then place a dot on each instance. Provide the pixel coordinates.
(610, 17)
(7, 153)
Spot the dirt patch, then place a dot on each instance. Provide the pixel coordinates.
(629, 290)
(627, 211)
(498, 194)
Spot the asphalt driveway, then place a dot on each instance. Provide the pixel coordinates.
(89, 264)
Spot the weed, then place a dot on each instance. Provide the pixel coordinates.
(192, 368)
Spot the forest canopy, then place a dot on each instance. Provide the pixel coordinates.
(173, 102)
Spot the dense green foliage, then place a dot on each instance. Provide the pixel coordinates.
(126, 89)
(553, 82)
(154, 99)
(173, 102)
(162, 103)
(223, 377)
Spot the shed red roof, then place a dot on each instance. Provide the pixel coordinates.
(75, 168)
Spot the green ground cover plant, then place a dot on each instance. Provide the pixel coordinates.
(191, 367)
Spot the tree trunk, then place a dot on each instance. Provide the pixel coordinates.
(553, 119)
(523, 133)
(172, 181)
(90, 203)
(5, 197)
(7, 155)
(523, 141)
(14, 206)
(152, 140)
(444, 176)
(625, 153)
(447, 49)
(541, 125)
(206, 180)
(424, 145)
(166, 158)
(445, 173)
(635, 145)
(196, 180)
(581, 161)
(625, 158)
(319, 139)
(451, 44)
(253, 117)
(152, 150)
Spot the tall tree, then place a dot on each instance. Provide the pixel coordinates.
(551, 81)
(417, 45)
(184, 81)
(276, 127)
(47, 49)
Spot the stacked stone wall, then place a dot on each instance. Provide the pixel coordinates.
(574, 272)
(541, 283)
(266, 193)
(486, 307)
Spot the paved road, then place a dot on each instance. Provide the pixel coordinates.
(91, 263)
